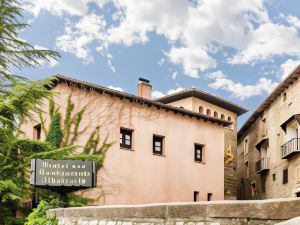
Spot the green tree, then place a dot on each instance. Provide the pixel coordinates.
(20, 98)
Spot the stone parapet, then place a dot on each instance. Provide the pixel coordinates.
(205, 213)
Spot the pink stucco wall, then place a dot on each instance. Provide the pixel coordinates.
(137, 176)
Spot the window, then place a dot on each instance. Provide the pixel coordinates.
(245, 146)
(198, 153)
(247, 170)
(196, 196)
(229, 119)
(222, 116)
(208, 112)
(209, 196)
(37, 130)
(274, 176)
(215, 114)
(200, 109)
(158, 145)
(285, 176)
(125, 138)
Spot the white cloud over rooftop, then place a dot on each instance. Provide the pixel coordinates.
(195, 32)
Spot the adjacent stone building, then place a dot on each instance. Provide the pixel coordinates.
(269, 145)
(166, 150)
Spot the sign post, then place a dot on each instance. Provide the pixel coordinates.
(68, 174)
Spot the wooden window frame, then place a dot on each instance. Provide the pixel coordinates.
(37, 131)
(196, 159)
(158, 138)
(123, 132)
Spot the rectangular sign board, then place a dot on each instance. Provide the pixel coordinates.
(68, 173)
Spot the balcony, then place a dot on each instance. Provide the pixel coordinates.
(262, 165)
(290, 148)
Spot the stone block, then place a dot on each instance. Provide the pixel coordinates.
(187, 211)
(282, 210)
(235, 210)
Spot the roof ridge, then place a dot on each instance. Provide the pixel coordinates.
(269, 100)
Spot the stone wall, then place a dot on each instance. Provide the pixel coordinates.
(268, 126)
(230, 173)
(200, 213)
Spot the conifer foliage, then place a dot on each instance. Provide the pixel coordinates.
(20, 98)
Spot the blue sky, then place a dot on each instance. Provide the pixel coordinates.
(237, 49)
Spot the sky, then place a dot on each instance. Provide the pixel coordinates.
(239, 50)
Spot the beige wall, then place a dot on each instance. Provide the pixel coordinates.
(138, 176)
(193, 104)
(275, 115)
(230, 139)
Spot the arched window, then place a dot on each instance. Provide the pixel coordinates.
(208, 112)
(229, 118)
(222, 116)
(200, 109)
(215, 114)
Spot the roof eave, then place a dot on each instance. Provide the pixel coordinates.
(133, 98)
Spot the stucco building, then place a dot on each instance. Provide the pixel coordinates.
(268, 145)
(166, 150)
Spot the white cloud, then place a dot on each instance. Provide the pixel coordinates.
(287, 67)
(267, 41)
(159, 94)
(174, 75)
(293, 20)
(195, 30)
(116, 88)
(191, 59)
(194, 26)
(241, 91)
(173, 91)
(79, 36)
(56, 7)
(161, 61)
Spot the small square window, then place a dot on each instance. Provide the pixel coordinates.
(37, 130)
(158, 145)
(274, 176)
(125, 138)
(198, 153)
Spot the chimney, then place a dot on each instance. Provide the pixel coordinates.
(144, 89)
